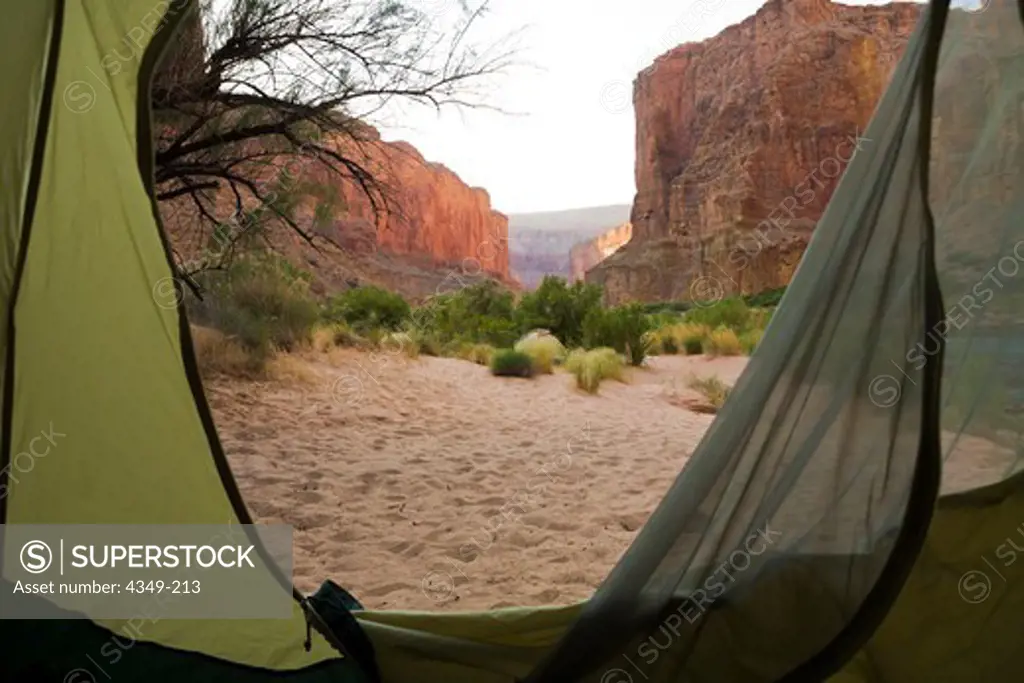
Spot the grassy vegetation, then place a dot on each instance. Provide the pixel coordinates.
(712, 389)
(511, 363)
(545, 351)
(593, 366)
(261, 305)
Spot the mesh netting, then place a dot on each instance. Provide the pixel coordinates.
(788, 539)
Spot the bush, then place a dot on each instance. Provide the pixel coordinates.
(749, 340)
(545, 351)
(401, 342)
(560, 308)
(426, 343)
(723, 342)
(259, 303)
(669, 345)
(218, 355)
(481, 313)
(732, 312)
(481, 354)
(368, 307)
(511, 363)
(714, 391)
(623, 328)
(769, 297)
(694, 346)
(591, 367)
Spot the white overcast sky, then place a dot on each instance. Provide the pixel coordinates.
(573, 144)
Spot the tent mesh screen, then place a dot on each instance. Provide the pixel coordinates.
(795, 520)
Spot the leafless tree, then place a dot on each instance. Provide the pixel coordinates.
(249, 83)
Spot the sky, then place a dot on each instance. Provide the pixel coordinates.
(569, 142)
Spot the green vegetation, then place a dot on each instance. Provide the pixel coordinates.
(367, 308)
(559, 308)
(624, 328)
(511, 363)
(591, 367)
(546, 352)
(261, 304)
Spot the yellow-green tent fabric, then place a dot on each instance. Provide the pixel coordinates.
(899, 345)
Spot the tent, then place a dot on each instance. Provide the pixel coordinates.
(805, 540)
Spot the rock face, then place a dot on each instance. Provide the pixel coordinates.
(586, 255)
(540, 242)
(741, 140)
(426, 212)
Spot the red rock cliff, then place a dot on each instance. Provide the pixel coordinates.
(585, 255)
(758, 121)
(431, 214)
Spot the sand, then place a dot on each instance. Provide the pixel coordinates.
(430, 484)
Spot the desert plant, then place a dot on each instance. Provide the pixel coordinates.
(750, 339)
(723, 342)
(623, 328)
(367, 308)
(259, 303)
(694, 346)
(401, 342)
(669, 345)
(593, 366)
(427, 343)
(559, 308)
(481, 354)
(732, 312)
(545, 351)
(714, 390)
(217, 354)
(511, 363)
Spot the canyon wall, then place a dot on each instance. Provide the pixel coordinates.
(424, 210)
(539, 243)
(425, 231)
(741, 140)
(586, 255)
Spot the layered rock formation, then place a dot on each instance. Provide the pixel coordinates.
(586, 255)
(424, 210)
(423, 232)
(741, 140)
(540, 242)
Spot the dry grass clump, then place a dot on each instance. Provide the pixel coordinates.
(594, 366)
(545, 351)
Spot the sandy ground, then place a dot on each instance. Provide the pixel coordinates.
(430, 484)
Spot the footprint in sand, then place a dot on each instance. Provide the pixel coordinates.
(308, 497)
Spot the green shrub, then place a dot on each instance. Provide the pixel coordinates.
(732, 312)
(669, 345)
(426, 343)
(481, 313)
(259, 303)
(511, 363)
(591, 367)
(749, 340)
(559, 308)
(367, 308)
(694, 346)
(767, 298)
(545, 351)
(623, 328)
